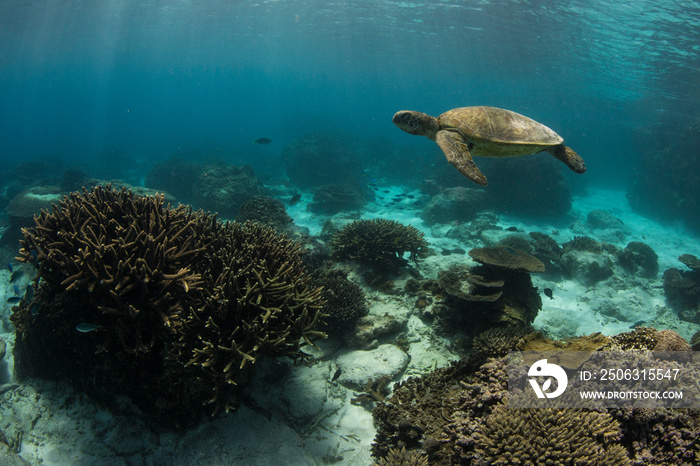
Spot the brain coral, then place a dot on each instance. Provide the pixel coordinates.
(167, 306)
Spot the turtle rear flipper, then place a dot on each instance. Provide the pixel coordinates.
(458, 155)
(569, 157)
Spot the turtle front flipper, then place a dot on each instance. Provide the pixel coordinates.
(458, 155)
(569, 157)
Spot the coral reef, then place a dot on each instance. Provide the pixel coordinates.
(549, 436)
(648, 339)
(602, 219)
(497, 292)
(167, 306)
(682, 288)
(458, 415)
(379, 243)
(345, 301)
(496, 342)
(587, 260)
(317, 159)
(401, 457)
(333, 198)
(175, 176)
(507, 259)
(547, 250)
(223, 189)
(264, 209)
(454, 204)
(639, 259)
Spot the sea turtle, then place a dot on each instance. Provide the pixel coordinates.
(487, 132)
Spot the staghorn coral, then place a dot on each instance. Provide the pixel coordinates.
(264, 209)
(549, 436)
(402, 457)
(499, 341)
(379, 243)
(167, 306)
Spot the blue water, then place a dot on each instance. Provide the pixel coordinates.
(108, 85)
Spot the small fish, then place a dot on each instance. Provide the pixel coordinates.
(86, 327)
(34, 310)
(410, 196)
(512, 229)
(14, 299)
(263, 141)
(397, 199)
(638, 324)
(548, 293)
(386, 191)
(29, 292)
(16, 275)
(15, 288)
(336, 374)
(10, 268)
(372, 180)
(35, 256)
(294, 199)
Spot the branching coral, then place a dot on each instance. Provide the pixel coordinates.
(499, 341)
(380, 243)
(549, 436)
(345, 301)
(460, 415)
(166, 305)
(402, 457)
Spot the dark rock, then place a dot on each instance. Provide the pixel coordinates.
(454, 204)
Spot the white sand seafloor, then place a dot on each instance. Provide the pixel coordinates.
(300, 416)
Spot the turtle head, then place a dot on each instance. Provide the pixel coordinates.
(417, 123)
